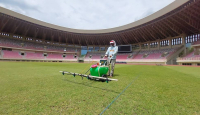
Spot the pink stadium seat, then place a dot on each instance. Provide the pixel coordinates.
(10, 42)
(69, 56)
(95, 56)
(139, 56)
(11, 55)
(197, 42)
(189, 55)
(154, 56)
(32, 55)
(54, 56)
(122, 57)
(17, 43)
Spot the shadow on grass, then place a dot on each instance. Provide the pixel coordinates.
(115, 75)
(87, 85)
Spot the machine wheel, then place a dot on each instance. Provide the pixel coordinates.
(104, 75)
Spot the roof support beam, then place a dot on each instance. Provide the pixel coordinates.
(189, 23)
(72, 37)
(52, 36)
(138, 38)
(132, 33)
(180, 24)
(66, 38)
(142, 35)
(195, 14)
(160, 28)
(27, 27)
(168, 26)
(173, 27)
(59, 37)
(130, 37)
(124, 38)
(148, 30)
(165, 26)
(16, 26)
(86, 40)
(44, 33)
(36, 32)
(4, 22)
(158, 31)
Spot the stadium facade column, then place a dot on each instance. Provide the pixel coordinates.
(158, 44)
(45, 47)
(170, 42)
(148, 45)
(106, 48)
(93, 48)
(98, 49)
(67, 44)
(23, 38)
(11, 35)
(140, 46)
(183, 43)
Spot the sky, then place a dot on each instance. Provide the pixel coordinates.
(86, 14)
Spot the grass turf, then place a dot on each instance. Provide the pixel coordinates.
(39, 88)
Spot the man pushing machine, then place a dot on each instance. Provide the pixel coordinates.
(111, 54)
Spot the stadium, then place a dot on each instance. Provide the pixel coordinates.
(161, 57)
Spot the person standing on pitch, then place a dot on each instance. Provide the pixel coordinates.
(111, 54)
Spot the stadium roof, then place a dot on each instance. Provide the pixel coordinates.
(180, 17)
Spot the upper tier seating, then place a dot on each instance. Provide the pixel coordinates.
(17, 43)
(10, 43)
(30, 45)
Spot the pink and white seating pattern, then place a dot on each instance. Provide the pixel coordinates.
(54, 56)
(7, 42)
(95, 56)
(11, 55)
(196, 43)
(30, 45)
(32, 55)
(10, 43)
(191, 56)
(122, 56)
(154, 54)
(70, 57)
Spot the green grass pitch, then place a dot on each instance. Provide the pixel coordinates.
(39, 88)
